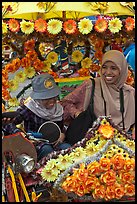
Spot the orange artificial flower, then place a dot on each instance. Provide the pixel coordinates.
(5, 94)
(94, 67)
(109, 177)
(40, 25)
(110, 193)
(126, 177)
(99, 192)
(129, 189)
(25, 62)
(104, 164)
(16, 62)
(29, 45)
(129, 23)
(98, 55)
(32, 55)
(117, 162)
(14, 25)
(10, 68)
(101, 25)
(69, 26)
(99, 44)
(106, 130)
(38, 65)
(129, 165)
(119, 191)
(93, 168)
(83, 72)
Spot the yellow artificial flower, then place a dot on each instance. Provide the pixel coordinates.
(52, 57)
(13, 85)
(20, 76)
(27, 27)
(86, 62)
(64, 161)
(130, 144)
(13, 102)
(48, 175)
(29, 71)
(115, 25)
(77, 56)
(90, 149)
(119, 151)
(79, 153)
(125, 155)
(4, 28)
(54, 26)
(85, 26)
(52, 166)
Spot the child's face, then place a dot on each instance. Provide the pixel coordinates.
(48, 103)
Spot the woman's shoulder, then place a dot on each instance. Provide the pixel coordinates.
(128, 87)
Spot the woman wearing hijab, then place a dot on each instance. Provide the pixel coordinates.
(40, 107)
(110, 89)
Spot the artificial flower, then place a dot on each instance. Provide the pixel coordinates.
(30, 72)
(38, 65)
(129, 189)
(13, 102)
(52, 166)
(26, 27)
(129, 164)
(101, 25)
(77, 56)
(16, 63)
(129, 23)
(25, 62)
(20, 76)
(99, 192)
(5, 94)
(40, 25)
(106, 130)
(115, 25)
(83, 72)
(85, 26)
(13, 85)
(54, 26)
(48, 175)
(29, 45)
(86, 62)
(47, 66)
(126, 177)
(79, 153)
(32, 55)
(64, 161)
(69, 26)
(52, 57)
(14, 25)
(117, 162)
(4, 27)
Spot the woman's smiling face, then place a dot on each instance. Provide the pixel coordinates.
(110, 72)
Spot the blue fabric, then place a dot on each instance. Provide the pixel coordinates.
(131, 57)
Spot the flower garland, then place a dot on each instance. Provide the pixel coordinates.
(55, 26)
